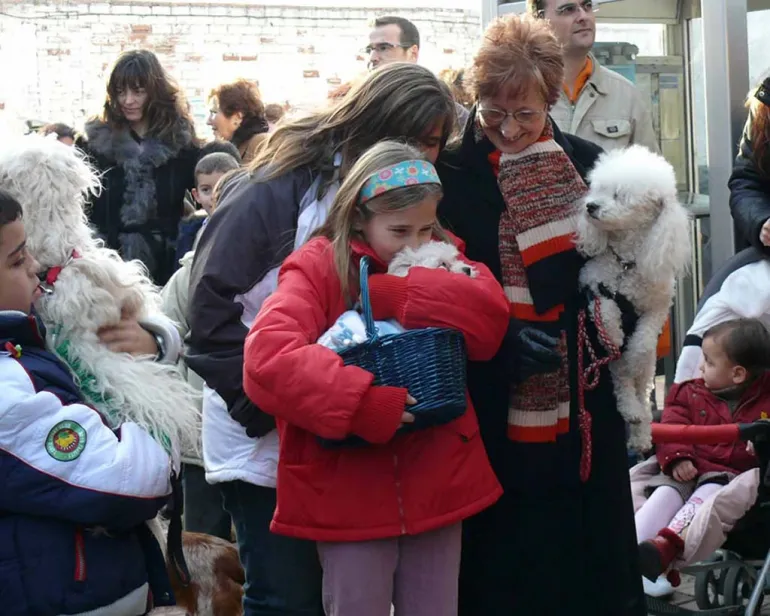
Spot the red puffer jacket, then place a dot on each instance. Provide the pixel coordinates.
(404, 484)
(691, 403)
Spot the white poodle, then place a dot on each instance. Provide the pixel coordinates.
(92, 287)
(637, 237)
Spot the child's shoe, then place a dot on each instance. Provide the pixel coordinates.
(657, 554)
(659, 588)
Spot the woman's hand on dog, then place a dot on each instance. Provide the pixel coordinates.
(128, 337)
(684, 471)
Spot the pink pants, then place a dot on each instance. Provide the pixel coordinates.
(417, 574)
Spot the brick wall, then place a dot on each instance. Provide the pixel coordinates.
(55, 55)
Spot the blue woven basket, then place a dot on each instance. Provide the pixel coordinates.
(430, 363)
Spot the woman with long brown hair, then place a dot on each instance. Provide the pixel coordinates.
(263, 213)
(750, 181)
(144, 146)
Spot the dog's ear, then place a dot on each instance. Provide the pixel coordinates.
(667, 248)
(589, 239)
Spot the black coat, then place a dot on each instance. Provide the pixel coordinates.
(141, 203)
(749, 193)
(551, 545)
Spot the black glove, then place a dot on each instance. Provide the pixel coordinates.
(531, 350)
(250, 416)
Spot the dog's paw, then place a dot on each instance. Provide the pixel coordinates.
(640, 437)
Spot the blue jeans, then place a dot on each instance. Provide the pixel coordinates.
(283, 574)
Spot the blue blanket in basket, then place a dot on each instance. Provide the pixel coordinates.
(349, 330)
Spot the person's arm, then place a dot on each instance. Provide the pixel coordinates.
(477, 306)
(306, 384)
(644, 133)
(234, 270)
(749, 194)
(61, 460)
(675, 411)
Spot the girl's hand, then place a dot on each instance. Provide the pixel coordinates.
(764, 234)
(684, 471)
(750, 448)
(407, 418)
(128, 337)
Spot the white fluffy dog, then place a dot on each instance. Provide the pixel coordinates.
(637, 236)
(432, 255)
(94, 288)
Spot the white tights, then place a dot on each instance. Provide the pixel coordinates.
(665, 507)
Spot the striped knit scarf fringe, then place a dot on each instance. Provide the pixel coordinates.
(541, 189)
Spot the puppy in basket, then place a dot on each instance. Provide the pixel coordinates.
(637, 237)
(350, 329)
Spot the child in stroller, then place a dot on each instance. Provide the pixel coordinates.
(735, 387)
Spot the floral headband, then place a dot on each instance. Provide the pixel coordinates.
(406, 173)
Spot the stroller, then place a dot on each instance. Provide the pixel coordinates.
(735, 580)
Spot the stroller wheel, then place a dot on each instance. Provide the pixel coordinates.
(708, 588)
(739, 584)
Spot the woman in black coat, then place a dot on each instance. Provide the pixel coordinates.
(750, 181)
(144, 146)
(554, 544)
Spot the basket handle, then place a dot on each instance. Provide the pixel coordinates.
(366, 304)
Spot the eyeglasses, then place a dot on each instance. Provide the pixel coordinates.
(571, 9)
(495, 117)
(383, 47)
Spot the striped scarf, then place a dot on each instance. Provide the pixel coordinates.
(541, 189)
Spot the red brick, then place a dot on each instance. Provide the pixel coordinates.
(248, 58)
(266, 40)
(58, 52)
(141, 29)
(230, 57)
(311, 74)
(190, 57)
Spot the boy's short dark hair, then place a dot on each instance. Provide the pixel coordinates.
(60, 129)
(217, 145)
(745, 342)
(218, 162)
(410, 35)
(10, 209)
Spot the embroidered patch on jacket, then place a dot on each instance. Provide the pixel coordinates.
(66, 441)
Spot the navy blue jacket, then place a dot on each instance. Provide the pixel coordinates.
(75, 494)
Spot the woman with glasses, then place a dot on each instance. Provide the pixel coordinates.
(238, 116)
(553, 544)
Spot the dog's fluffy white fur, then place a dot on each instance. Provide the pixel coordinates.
(637, 236)
(52, 182)
(432, 255)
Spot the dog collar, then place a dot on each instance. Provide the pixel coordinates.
(626, 265)
(49, 277)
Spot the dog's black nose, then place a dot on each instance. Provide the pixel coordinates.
(467, 270)
(592, 207)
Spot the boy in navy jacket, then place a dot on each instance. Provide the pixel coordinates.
(75, 494)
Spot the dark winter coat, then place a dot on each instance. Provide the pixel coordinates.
(552, 545)
(142, 199)
(749, 193)
(691, 403)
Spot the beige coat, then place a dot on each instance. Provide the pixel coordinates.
(175, 297)
(609, 112)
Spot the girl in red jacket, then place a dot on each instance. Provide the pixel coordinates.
(735, 388)
(386, 516)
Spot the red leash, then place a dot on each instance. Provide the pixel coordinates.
(588, 380)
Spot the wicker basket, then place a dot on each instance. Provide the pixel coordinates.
(430, 363)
